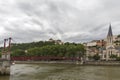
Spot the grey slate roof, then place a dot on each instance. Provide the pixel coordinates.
(117, 48)
(110, 31)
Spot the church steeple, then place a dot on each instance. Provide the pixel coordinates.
(110, 34)
(109, 46)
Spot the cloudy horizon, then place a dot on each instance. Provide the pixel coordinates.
(68, 20)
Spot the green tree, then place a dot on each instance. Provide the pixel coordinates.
(50, 49)
(18, 52)
(96, 57)
(118, 58)
(90, 57)
(0, 54)
(113, 56)
(118, 36)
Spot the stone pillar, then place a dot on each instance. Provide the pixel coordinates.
(5, 68)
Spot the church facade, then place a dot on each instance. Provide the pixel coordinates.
(106, 48)
(110, 48)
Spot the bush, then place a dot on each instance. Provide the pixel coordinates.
(113, 56)
(118, 58)
(96, 57)
(90, 57)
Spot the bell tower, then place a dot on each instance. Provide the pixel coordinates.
(109, 46)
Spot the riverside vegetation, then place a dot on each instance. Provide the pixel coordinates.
(46, 48)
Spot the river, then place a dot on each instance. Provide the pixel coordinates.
(62, 72)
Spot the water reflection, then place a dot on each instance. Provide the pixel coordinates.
(4, 78)
(62, 72)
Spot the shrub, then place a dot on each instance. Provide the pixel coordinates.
(96, 57)
(118, 58)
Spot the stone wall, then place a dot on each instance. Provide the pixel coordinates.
(4, 68)
(103, 63)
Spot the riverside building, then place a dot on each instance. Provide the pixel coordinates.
(105, 47)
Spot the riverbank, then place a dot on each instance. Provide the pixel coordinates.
(4, 68)
(103, 63)
(47, 62)
(62, 72)
(92, 63)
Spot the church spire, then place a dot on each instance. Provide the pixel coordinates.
(110, 34)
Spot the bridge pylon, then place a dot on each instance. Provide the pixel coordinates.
(5, 59)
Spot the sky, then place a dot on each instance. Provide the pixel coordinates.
(68, 20)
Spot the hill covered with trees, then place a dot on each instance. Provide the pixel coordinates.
(47, 48)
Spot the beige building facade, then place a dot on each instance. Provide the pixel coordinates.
(105, 47)
(111, 49)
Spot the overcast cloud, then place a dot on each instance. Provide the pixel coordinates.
(68, 20)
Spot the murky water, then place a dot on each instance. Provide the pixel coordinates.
(62, 72)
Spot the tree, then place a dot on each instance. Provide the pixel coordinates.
(96, 57)
(113, 56)
(18, 52)
(90, 57)
(118, 36)
(118, 58)
(80, 49)
(0, 54)
(71, 50)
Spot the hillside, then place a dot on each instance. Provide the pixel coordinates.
(47, 48)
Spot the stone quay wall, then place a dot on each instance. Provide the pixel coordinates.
(4, 68)
(103, 63)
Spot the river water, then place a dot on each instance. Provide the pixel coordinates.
(62, 72)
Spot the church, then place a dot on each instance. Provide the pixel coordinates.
(111, 48)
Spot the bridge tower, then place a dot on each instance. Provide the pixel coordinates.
(5, 59)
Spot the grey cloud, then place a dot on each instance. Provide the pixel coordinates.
(33, 20)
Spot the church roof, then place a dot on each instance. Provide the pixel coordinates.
(118, 48)
(110, 31)
(111, 47)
